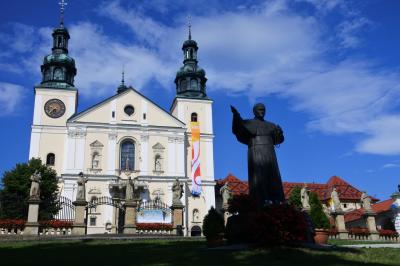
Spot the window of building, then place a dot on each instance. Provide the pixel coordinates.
(127, 155)
(58, 74)
(50, 159)
(193, 84)
(193, 117)
(344, 205)
(129, 110)
(93, 221)
(144, 116)
(113, 114)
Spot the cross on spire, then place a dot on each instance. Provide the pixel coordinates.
(123, 76)
(190, 26)
(62, 4)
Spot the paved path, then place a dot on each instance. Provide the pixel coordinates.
(387, 245)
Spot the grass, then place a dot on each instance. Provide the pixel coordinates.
(160, 252)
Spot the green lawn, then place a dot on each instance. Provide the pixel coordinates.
(341, 242)
(119, 252)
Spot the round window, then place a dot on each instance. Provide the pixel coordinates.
(129, 110)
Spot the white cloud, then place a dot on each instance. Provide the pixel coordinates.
(391, 165)
(254, 51)
(10, 97)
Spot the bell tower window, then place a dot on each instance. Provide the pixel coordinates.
(193, 84)
(50, 159)
(193, 117)
(58, 74)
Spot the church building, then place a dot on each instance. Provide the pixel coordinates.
(126, 136)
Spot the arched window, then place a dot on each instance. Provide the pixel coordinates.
(59, 41)
(196, 216)
(193, 84)
(193, 117)
(191, 53)
(127, 155)
(195, 231)
(58, 74)
(50, 159)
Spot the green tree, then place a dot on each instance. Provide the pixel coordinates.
(15, 190)
(295, 197)
(318, 217)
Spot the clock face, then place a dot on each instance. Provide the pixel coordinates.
(54, 108)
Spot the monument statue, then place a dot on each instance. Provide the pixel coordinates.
(305, 198)
(335, 200)
(226, 194)
(81, 194)
(260, 136)
(177, 192)
(366, 201)
(36, 179)
(129, 189)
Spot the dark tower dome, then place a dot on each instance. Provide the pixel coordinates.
(191, 78)
(58, 69)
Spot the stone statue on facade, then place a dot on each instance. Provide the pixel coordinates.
(129, 191)
(366, 201)
(305, 198)
(36, 179)
(260, 136)
(81, 194)
(335, 200)
(177, 192)
(226, 194)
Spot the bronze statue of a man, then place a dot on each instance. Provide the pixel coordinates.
(260, 136)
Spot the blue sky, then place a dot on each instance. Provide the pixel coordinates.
(328, 72)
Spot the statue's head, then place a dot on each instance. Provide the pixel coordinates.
(259, 110)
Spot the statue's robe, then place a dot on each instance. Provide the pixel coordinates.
(260, 136)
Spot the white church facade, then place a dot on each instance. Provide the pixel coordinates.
(125, 135)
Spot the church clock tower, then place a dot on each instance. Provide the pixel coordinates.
(192, 106)
(55, 99)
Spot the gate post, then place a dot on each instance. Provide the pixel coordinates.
(130, 217)
(79, 225)
(32, 225)
(177, 218)
(340, 224)
(369, 217)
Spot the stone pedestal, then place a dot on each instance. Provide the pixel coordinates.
(371, 225)
(130, 217)
(177, 219)
(79, 225)
(226, 213)
(340, 224)
(32, 225)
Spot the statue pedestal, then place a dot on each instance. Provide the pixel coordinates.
(340, 224)
(79, 225)
(32, 225)
(369, 217)
(130, 217)
(177, 218)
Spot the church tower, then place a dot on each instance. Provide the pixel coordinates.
(192, 106)
(55, 99)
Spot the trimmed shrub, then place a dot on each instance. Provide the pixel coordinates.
(318, 217)
(295, 198)
(213, 224)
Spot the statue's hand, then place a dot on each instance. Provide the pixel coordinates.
(234, 111)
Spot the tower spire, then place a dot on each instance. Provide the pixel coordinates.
(123, 76)
(62, 4)
(190, 27)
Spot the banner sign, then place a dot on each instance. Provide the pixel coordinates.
(196, 175)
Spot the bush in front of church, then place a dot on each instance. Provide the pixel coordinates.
(213, 224)
(16, 184)
(318, 217)
(268, 225)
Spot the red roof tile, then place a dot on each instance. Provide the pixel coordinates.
(346, 191)
(379, 207)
